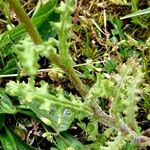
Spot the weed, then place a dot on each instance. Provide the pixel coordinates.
(106, 97)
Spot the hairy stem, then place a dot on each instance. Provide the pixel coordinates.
(70, 72)
(21, 14)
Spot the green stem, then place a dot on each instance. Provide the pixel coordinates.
(70, 72)
(21, 14)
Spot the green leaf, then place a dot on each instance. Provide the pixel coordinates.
(54, 110)
(7, 140)
(110, 65)
(126, 51)
(9, 68)
(117, 143)
(11, 142)
(138, 13)
(46, 8)
(102, 88)
(129, 146)
(28, 62)
(66, 140)
(91, 129)
(5, 10)
(62, 27)
(56, 118)
(117, 23)
(43, 13)
(45, 28)
(6, 104)
(128, 85)
(46, 31)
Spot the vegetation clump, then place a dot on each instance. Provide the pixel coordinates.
(75, 75)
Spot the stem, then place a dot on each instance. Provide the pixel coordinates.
(122, 127)
(21, 14)
(70, 72)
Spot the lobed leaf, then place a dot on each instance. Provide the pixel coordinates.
(53, 110)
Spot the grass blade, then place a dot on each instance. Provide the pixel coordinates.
(138, 13)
